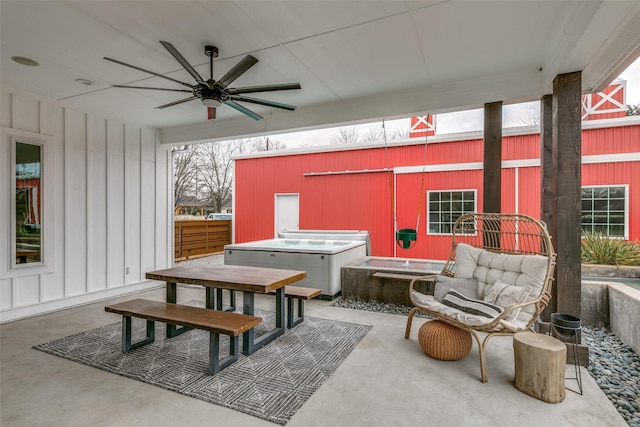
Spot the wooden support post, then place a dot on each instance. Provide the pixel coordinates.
(547, 196)
(540, 366)
(567, 181)
(492, 167)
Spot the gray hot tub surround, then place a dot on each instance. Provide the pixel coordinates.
(321, 259)
(358, 282)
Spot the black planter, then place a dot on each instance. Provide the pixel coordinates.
(565, 325)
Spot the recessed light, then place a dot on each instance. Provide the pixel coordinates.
(85, 82)
(25, 61)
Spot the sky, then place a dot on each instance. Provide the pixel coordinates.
(462, 121)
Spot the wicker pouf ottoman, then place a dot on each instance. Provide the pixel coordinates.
(443, 341)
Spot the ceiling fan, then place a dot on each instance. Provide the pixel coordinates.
(214, 93)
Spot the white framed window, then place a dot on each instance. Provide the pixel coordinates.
(445, 207)
(28, 215)
(605, 210)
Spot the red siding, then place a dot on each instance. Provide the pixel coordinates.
(363, 200)
(611, 140)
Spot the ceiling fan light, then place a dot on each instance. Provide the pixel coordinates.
(211, 103)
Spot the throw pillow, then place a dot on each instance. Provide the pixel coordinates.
(472, 306)
(443, 284)
(505, 295)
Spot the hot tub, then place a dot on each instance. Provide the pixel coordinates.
(321, 259)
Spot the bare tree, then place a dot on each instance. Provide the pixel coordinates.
(633, 110)
(215, 166)
(215, 170)
(184, 175)
(398, 134)
(264, 143)
(530, 120)
(374, 133)
(346, 135)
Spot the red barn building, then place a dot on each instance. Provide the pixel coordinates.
(426, 186)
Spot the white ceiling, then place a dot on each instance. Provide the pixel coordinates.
(356, 60)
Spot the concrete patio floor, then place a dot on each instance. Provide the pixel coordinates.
(385, 381)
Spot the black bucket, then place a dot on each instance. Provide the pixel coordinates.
(565, 326)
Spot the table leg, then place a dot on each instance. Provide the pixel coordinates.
(210, 299)
(248, 336)
(219, 295)
(172, 292)
(172, 297)
(249, 343)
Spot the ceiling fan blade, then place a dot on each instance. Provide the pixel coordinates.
(263, 88)
(243, 110)
(263, 102)
(239, 69)
(171, 104)
(147, 71)
(174, 52)
(211, 113)
(152, 88)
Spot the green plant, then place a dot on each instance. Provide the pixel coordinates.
(599, 248)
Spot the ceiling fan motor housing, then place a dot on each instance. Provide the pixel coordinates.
(211, 51)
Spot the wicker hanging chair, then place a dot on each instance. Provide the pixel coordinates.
(496, 252)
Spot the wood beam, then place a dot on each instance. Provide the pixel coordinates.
(492, 168)
(567, 181)
(547, 197)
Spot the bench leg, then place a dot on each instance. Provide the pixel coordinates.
(126, 334)
(291, 318)
(215, 364)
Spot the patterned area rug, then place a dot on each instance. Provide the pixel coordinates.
(272, 383)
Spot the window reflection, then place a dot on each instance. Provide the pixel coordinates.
(28, 203)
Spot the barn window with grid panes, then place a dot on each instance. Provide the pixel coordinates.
(604, 210)
(445, 207)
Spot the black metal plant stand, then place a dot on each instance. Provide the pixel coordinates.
(567, 328)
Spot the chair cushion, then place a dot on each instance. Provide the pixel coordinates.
(473, 306)
(443, 284)
(488, 267)
(430, 305)
(505, 296)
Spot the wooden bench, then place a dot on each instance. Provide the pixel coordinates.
(301, 294)
(214, 321)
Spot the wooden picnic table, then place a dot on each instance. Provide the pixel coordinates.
(249, 280)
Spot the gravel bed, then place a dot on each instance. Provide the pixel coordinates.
(613, 364)
(616, 369)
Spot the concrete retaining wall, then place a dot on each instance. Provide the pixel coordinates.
(595, 304)
(624, 317)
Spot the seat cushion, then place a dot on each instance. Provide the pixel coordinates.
(443, 284)
(430, 305)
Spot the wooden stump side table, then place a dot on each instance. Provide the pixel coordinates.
(540, 362)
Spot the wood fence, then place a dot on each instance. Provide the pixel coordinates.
(200, 237)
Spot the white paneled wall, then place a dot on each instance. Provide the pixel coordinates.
(106, 203)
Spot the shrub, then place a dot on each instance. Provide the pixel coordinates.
(599, 248)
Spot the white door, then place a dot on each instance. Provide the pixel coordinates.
(287, 212)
